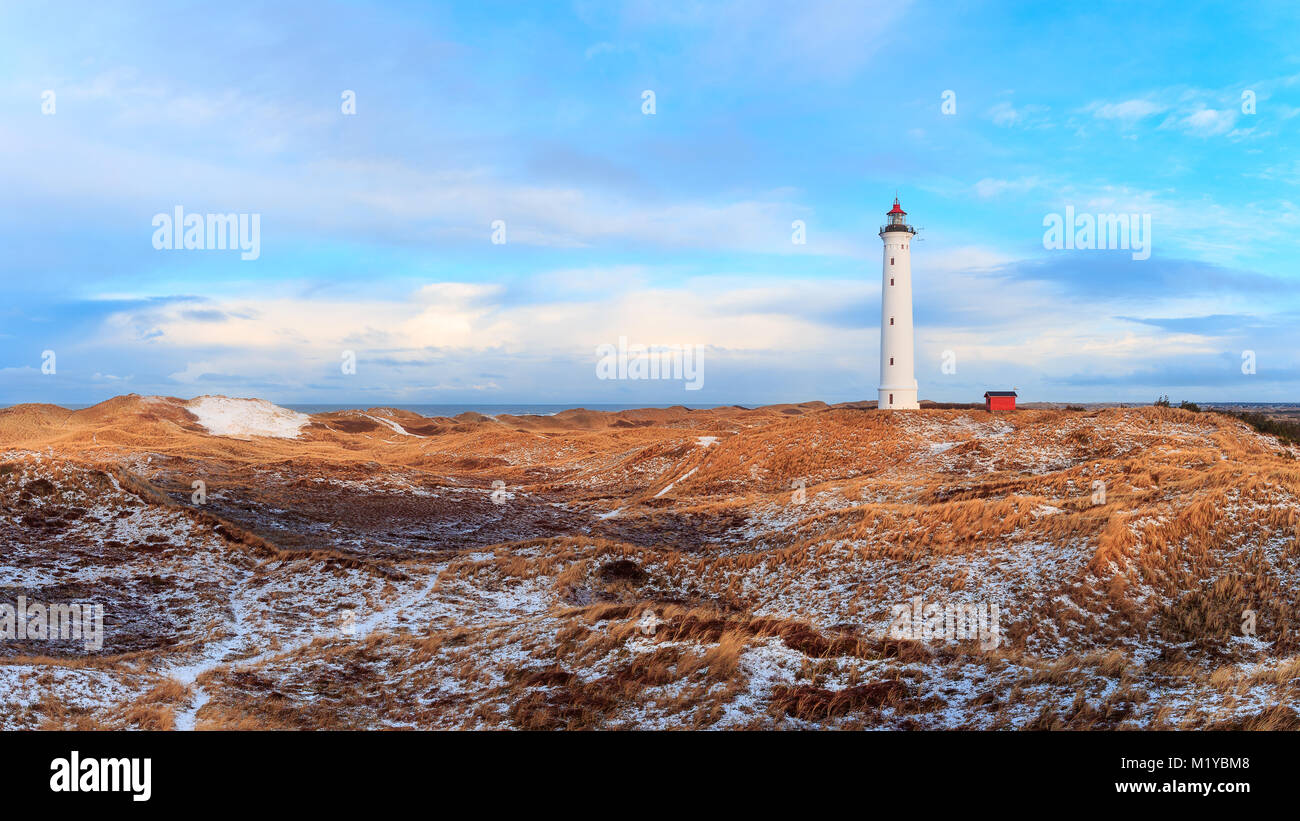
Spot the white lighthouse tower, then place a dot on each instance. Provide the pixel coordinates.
(897, 384)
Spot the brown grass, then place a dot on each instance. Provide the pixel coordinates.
(1199, 525)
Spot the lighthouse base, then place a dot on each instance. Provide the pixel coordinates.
(898, 399)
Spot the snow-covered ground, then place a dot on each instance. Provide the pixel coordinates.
(223, 416)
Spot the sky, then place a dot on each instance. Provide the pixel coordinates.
(530, 123)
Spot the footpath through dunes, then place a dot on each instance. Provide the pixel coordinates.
(666, 567)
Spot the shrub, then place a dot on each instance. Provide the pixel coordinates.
(1283, 430)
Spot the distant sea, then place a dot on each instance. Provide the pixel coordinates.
(552, 409)
(455, 410)
(491, 410)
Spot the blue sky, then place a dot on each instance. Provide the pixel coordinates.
(666, 228)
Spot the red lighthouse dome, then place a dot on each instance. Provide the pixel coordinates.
(897, 220)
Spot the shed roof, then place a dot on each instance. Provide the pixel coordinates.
(999, 393)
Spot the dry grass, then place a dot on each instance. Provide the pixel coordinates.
(767, 611)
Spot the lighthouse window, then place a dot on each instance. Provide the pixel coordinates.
(891, 399)
(891, 320)
(891, 280)
(891, 260)
(891, 360)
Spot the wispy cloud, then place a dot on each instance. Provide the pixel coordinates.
(989, 187)
(1007, 115)
(1127, 111)
(1205, 122)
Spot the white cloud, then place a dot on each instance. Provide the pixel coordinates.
(397, 200)
(990, 187)
(1189, 114)
(821, 39)
(1129, 111)
(1206, 122)
(1184, 225)
(597, 49)
(1006, 115)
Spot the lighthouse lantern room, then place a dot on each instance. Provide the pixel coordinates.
(898, 386)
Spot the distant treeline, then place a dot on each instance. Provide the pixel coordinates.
(1286, 431)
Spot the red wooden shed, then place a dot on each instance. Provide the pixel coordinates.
(999, 400)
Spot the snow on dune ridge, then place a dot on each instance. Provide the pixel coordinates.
(390, 423)
(223, 416)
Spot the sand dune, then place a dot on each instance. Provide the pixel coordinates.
(669, 567)
(222, 416)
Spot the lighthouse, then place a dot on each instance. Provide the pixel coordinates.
(897, 383)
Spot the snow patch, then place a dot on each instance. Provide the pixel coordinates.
(223, 416)
(673, 484)
(390, 423)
